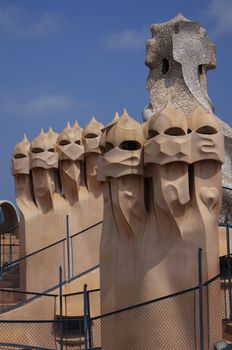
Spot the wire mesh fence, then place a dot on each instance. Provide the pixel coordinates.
(74, 304)
(163, 324)
(38, 335)
(34, 321)
(30, 324)
(171, 322)
(94, 303)
(34, 306)
(215, 310)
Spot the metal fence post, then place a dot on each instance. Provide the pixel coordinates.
(89, 322)
(0, 254)
(61, 307)
(201, 309)
(68, 246)
(86, 317)
(229, 266)
(10, 250)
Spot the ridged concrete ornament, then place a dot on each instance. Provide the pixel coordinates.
(162, 192)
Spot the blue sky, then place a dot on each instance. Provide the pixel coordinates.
(68, 59)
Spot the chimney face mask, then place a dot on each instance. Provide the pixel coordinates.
(71, 151)
(92, 144)
(44, 159)
(20, 166)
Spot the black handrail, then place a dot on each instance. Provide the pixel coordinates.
(47, 292)
(227, 188)
(185, 291)
(26, 292)
(7, 266)
(10, 229)
(79, 293)
(26, 347)
(86, 229)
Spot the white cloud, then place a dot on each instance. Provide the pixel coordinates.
(47, 23)
(15, 21)
(39, 105)
(220, 11)
(127, 39)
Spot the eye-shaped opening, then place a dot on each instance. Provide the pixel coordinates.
(200, 70)
(78, 142)
(102, 149)
(51, 150)
(108, 146)
(37, 150)
(91, 135)
(175, 132)
(130, 145)
(64, 142)
(176, 29)
(19, 156)
(152, 133)
(165, 66)
(207, 130)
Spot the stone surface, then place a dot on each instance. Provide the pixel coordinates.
(161, 203)
(162, 186)
(55, 176)
(178, 56)
(183, 81)
(226, 210)
(161, 182)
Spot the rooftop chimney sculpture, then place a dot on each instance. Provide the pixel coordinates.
(55, 176)
(162, 185)
(179, 54)
(161, 182)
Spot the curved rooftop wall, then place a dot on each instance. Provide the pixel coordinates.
(8, 217)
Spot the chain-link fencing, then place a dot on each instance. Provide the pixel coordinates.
(171, 322)
(216, 310)
(167, 323)
(32, 324)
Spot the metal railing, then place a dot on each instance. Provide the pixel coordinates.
(42, 322)
(80, 322)
(68, 237)
(67, 252)
(7, 249)
(189, 319)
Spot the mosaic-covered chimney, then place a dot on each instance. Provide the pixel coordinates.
(179, 54)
